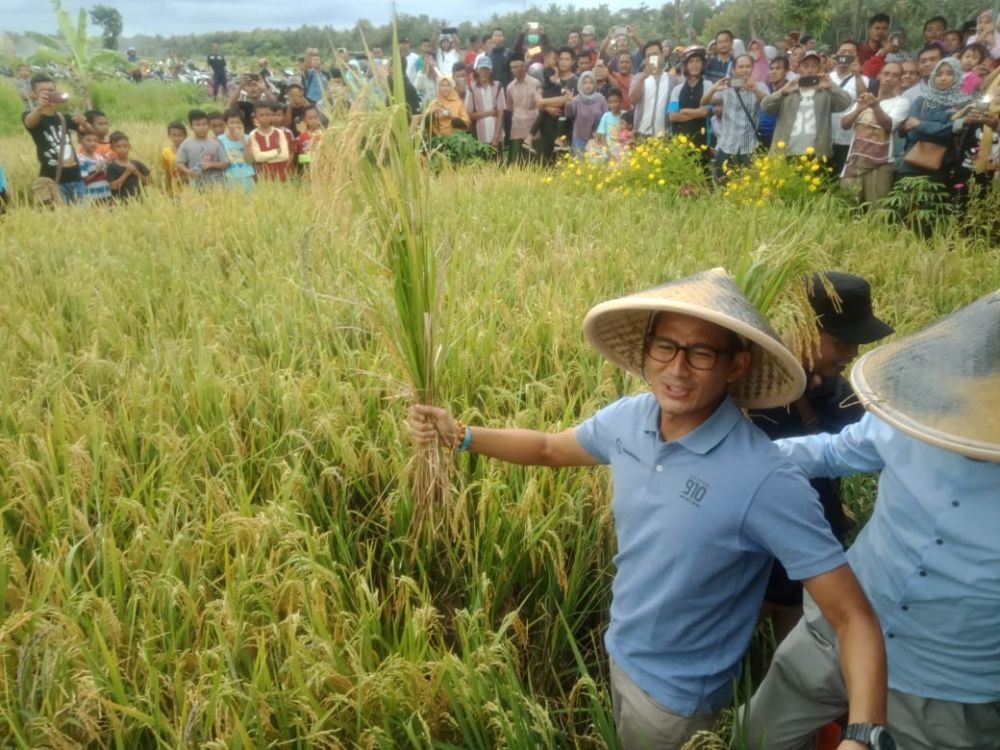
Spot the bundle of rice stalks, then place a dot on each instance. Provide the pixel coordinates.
(374, 159)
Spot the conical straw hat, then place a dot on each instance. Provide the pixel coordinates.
(618, 329)
(942, 384)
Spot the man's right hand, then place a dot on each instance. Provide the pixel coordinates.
(791, 87)
(432, 423)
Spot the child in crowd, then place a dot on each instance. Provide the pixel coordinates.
(608, 133)
(93, 169)
(309, 139)
(972, 60)
(216, 123)
(98, 122)
(269, 145)
(22, 81)
(240, 171)
(460, 76)
(585, 110)
(201, 158)
(278, 121)
(176, 132)
(126, 176)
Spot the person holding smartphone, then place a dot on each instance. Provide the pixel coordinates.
(650, 93)
(804, 108)
(847, 75)
(50, 131)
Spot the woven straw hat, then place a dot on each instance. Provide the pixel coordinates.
(942, 384)
(618, 329)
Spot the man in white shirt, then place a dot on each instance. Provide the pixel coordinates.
(847, 75)
(650, 93)
(868, 170)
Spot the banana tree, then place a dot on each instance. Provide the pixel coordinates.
(74, 50)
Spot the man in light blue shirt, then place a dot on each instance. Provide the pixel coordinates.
(929, 558)
(702, 503)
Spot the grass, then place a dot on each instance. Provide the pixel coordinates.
(203, 539)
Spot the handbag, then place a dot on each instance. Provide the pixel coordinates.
(45, 189)
(926, 155)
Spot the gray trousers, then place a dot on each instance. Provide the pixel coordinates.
(643, 723)
(804, 689)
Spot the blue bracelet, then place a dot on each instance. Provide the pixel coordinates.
(467, 441)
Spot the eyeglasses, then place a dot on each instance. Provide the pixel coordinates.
(698, 356)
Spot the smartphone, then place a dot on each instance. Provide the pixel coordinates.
(793, 37)
(449, 30)
(844, 59)
(807, 81)
(736, 83)
(619, 31)
(654, 61)
(533, 26)
(58, 97)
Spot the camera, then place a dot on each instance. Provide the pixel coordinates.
(807, 81)
(449, 30)
(844, 59)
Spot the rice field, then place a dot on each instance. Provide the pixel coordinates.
(205, 524)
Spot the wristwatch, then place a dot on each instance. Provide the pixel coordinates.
(874, 736)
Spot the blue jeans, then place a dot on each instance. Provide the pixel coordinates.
(73, 192)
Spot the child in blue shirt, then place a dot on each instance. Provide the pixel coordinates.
(93, 170)
(240, 172)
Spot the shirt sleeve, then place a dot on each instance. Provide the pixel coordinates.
(786, 518)
(182, 155)
(143, 169)
(851, 451)
(596, 433)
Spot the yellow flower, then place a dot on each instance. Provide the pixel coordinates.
(814, 167)
(812, 188)
(661, 182)
(816, 181)
(652, 176)
(781, 144)
(682, 139)
(810, 150)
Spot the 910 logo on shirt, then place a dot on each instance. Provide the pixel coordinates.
(694, 490)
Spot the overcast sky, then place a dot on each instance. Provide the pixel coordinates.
(168, 17)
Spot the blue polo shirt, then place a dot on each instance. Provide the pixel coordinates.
(928, 559)
(698, 522)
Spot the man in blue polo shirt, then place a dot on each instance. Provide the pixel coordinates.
(929, 558)
(703, 502)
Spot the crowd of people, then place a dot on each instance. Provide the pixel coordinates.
(870, 110)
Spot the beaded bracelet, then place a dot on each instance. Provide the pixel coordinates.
(463, 437)
(460, 430)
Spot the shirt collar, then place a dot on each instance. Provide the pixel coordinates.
(709, 433)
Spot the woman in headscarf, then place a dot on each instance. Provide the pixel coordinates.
(929, 130)
(446, 112)
(761, 62)
(585, 110)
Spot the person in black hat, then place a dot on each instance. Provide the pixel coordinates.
(828, 405)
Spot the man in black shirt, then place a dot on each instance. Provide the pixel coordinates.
(53, 145)
(218, 65)
(828, 405)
